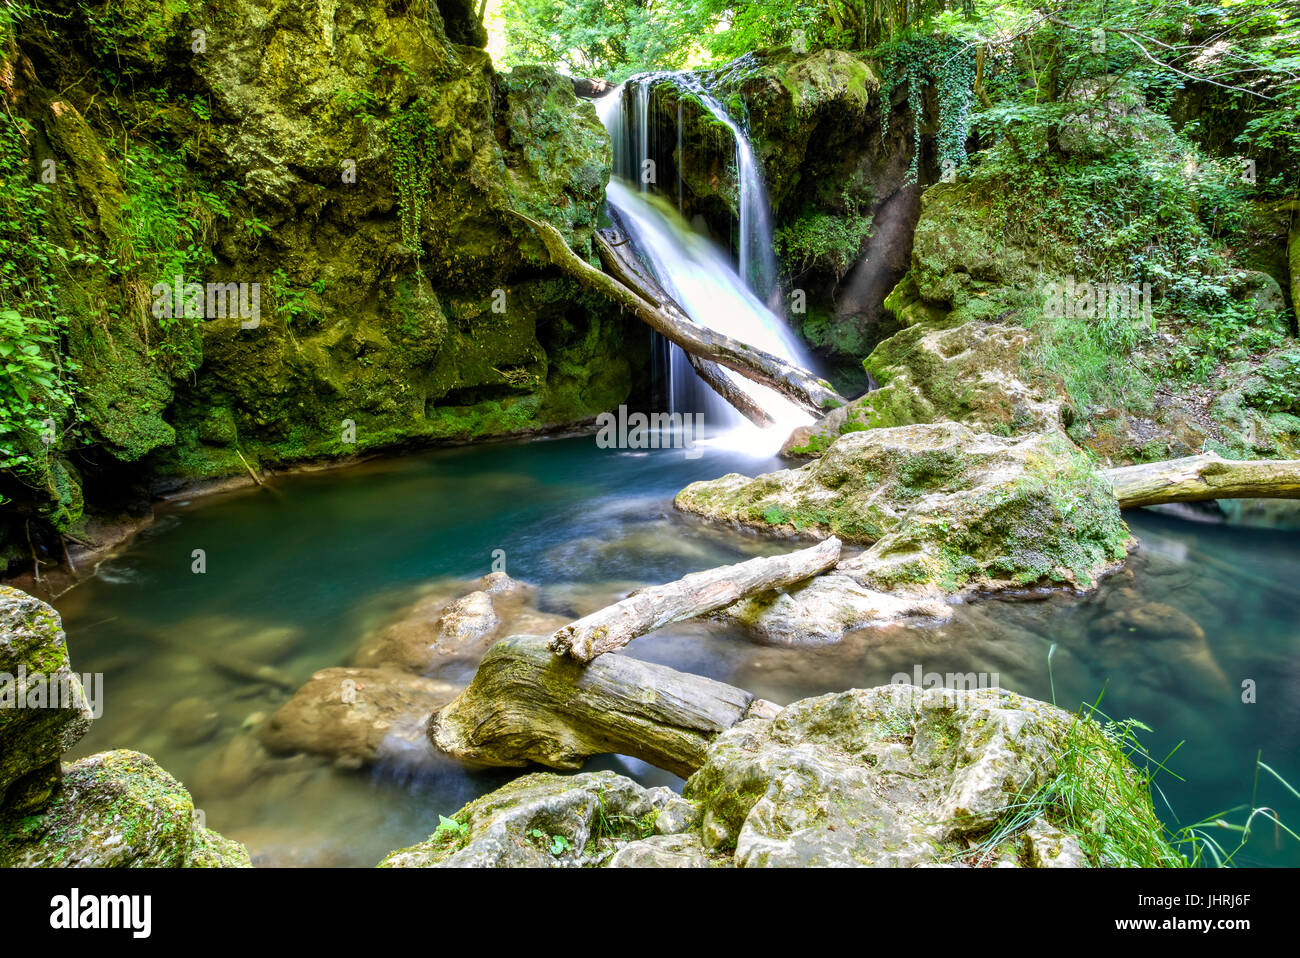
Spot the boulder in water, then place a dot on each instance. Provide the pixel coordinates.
(357, 716)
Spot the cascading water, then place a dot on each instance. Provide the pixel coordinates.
(695, 272)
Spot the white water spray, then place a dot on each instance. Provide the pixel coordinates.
(699, 275)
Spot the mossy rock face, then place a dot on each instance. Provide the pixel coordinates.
(1259, 413)
(43, 708)
(972, 373)
(944, 506)
(359, 169)
(116, 809)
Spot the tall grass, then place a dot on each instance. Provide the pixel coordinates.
(1103, 793)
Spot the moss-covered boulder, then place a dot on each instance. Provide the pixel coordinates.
(940, 504)
(43, 708)
(112, 809)
(116, 809)
(540, 821)
(973, 373)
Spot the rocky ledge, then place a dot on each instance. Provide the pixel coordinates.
(945, 510)
(889, 776)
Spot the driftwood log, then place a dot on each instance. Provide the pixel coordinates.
(696, 594)
(527, 705)
(810, 392)
(1200, 478)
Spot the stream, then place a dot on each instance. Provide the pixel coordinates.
(299, 572)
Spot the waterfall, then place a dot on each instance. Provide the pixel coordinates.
(700, 276)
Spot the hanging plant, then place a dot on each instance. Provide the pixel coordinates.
(949, 65)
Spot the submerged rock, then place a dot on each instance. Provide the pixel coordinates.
(889, 776)
(437, 636)
(357, 716)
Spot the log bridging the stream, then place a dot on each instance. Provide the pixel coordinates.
(810, 392)
(527, 705)
(620, 262)
(1204, 477)
(699, 593)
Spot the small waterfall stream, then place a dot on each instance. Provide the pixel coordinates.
(699, 275)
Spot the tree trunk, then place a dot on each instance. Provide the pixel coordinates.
(812, 393)
(696, 594)
(527, 705)
(621, 263)
(1199, 478)
(717, 380)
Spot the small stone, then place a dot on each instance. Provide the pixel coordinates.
(677, 816)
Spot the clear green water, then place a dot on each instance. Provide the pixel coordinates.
(299, 574)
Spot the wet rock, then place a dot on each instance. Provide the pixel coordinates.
(518, 825)
(117, 809)
(823, 609)
(437, 635)
(231, 768)
(43, 708)
(356, 716)
(947, 510)
(1149, 620)
(661, 851)
(192, 721)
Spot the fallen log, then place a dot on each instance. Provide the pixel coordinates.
(694, 595)
(721, 383)
(527, 705)
(621, 263)
(808, 391)
(1204, 477)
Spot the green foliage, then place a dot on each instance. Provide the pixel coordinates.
(557, 845)
(36, 391)
(947, 63)
(415, 143)
(822, 238)
(609, 39)
(450, 831)
(1103, 794)
(295, 306)
(614, 39)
